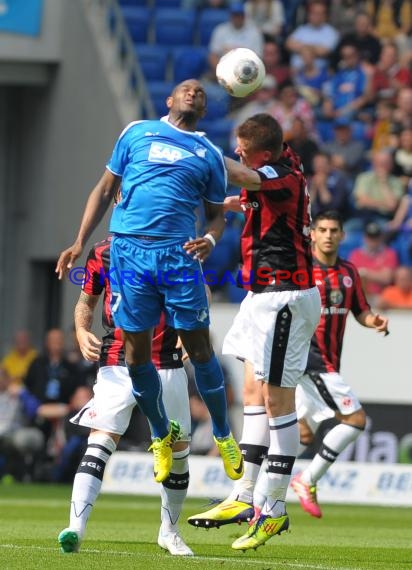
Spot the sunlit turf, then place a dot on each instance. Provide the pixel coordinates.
(122, 533)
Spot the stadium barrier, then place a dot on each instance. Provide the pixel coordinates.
(379, 484)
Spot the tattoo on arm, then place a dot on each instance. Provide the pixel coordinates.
(83, 312)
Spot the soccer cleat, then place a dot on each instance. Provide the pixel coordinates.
(258, 533)
(69, 541)
(174, 543)
(162, 452)
(307, 496)
(231, 455)
(226, 512)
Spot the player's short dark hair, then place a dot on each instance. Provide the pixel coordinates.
(328, 215)
(264, 133)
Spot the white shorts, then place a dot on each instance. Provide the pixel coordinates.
(320, 396)
(111, 407)
(273, 331)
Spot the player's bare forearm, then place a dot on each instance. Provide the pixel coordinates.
(96, 206)
(242, 176)
(215, 217)
(89, 344)
(84, 310)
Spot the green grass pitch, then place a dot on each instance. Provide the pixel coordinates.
(122, 534)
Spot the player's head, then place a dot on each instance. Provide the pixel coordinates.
(327, 232)
(259, 140)
(187, 101)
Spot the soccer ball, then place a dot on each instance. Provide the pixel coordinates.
(240, 72)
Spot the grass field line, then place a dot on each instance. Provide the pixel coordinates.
(49, 503)
(195, 559)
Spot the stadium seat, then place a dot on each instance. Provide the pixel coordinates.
(218, 132)
(159, 91)
(189, 62)
(218, 101)
(174, 27)
(353, 239)
(209, 18)
(153, 61)
(138, 21)
(168, 3)
(133, 3)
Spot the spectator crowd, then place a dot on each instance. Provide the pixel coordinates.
(339, 81)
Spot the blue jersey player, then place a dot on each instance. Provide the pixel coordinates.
(165, 168)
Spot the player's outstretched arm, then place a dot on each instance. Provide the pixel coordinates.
(96, 206)
(242, 176)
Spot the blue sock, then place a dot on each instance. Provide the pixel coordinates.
(211, 386)
(147, 389)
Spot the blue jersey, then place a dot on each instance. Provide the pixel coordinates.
(165, 172)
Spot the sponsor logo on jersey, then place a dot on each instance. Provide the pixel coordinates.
(336, 297)
(250, 205)
(166, 153)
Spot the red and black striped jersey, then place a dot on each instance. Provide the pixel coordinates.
(341, 291)
(275, 242)
(97, 281)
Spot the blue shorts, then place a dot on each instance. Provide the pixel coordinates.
(147, 277)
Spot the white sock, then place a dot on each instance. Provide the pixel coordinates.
(88, 479)
(284, 442)
(254, 444)
(174, 490)
(333, 443)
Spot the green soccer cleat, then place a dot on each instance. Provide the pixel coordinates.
(69, 541)
(231, 455)
(226, 512)
(258, 533)
(162, 452)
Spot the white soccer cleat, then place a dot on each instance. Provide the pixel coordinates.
(174, 543)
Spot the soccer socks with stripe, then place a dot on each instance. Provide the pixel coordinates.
(147, 389)
(284, 442)
(174, 490)
(211, 386)
(333, 443)
(88, 479)
(254, 444)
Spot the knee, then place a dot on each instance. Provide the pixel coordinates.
(306, 435)
(357, 419)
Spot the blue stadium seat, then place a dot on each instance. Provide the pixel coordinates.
(168, 3)
(189, 62)
(218, 132)
(353, 239)
(209, 18)
(174, 27)
(153, 60)
(138, 21)
(159, 91)
(133, 2)
(218, 101)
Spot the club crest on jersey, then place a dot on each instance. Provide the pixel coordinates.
(166, 153)
(347, 281)
(336, 297)
(269, 172)
(200, 151)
